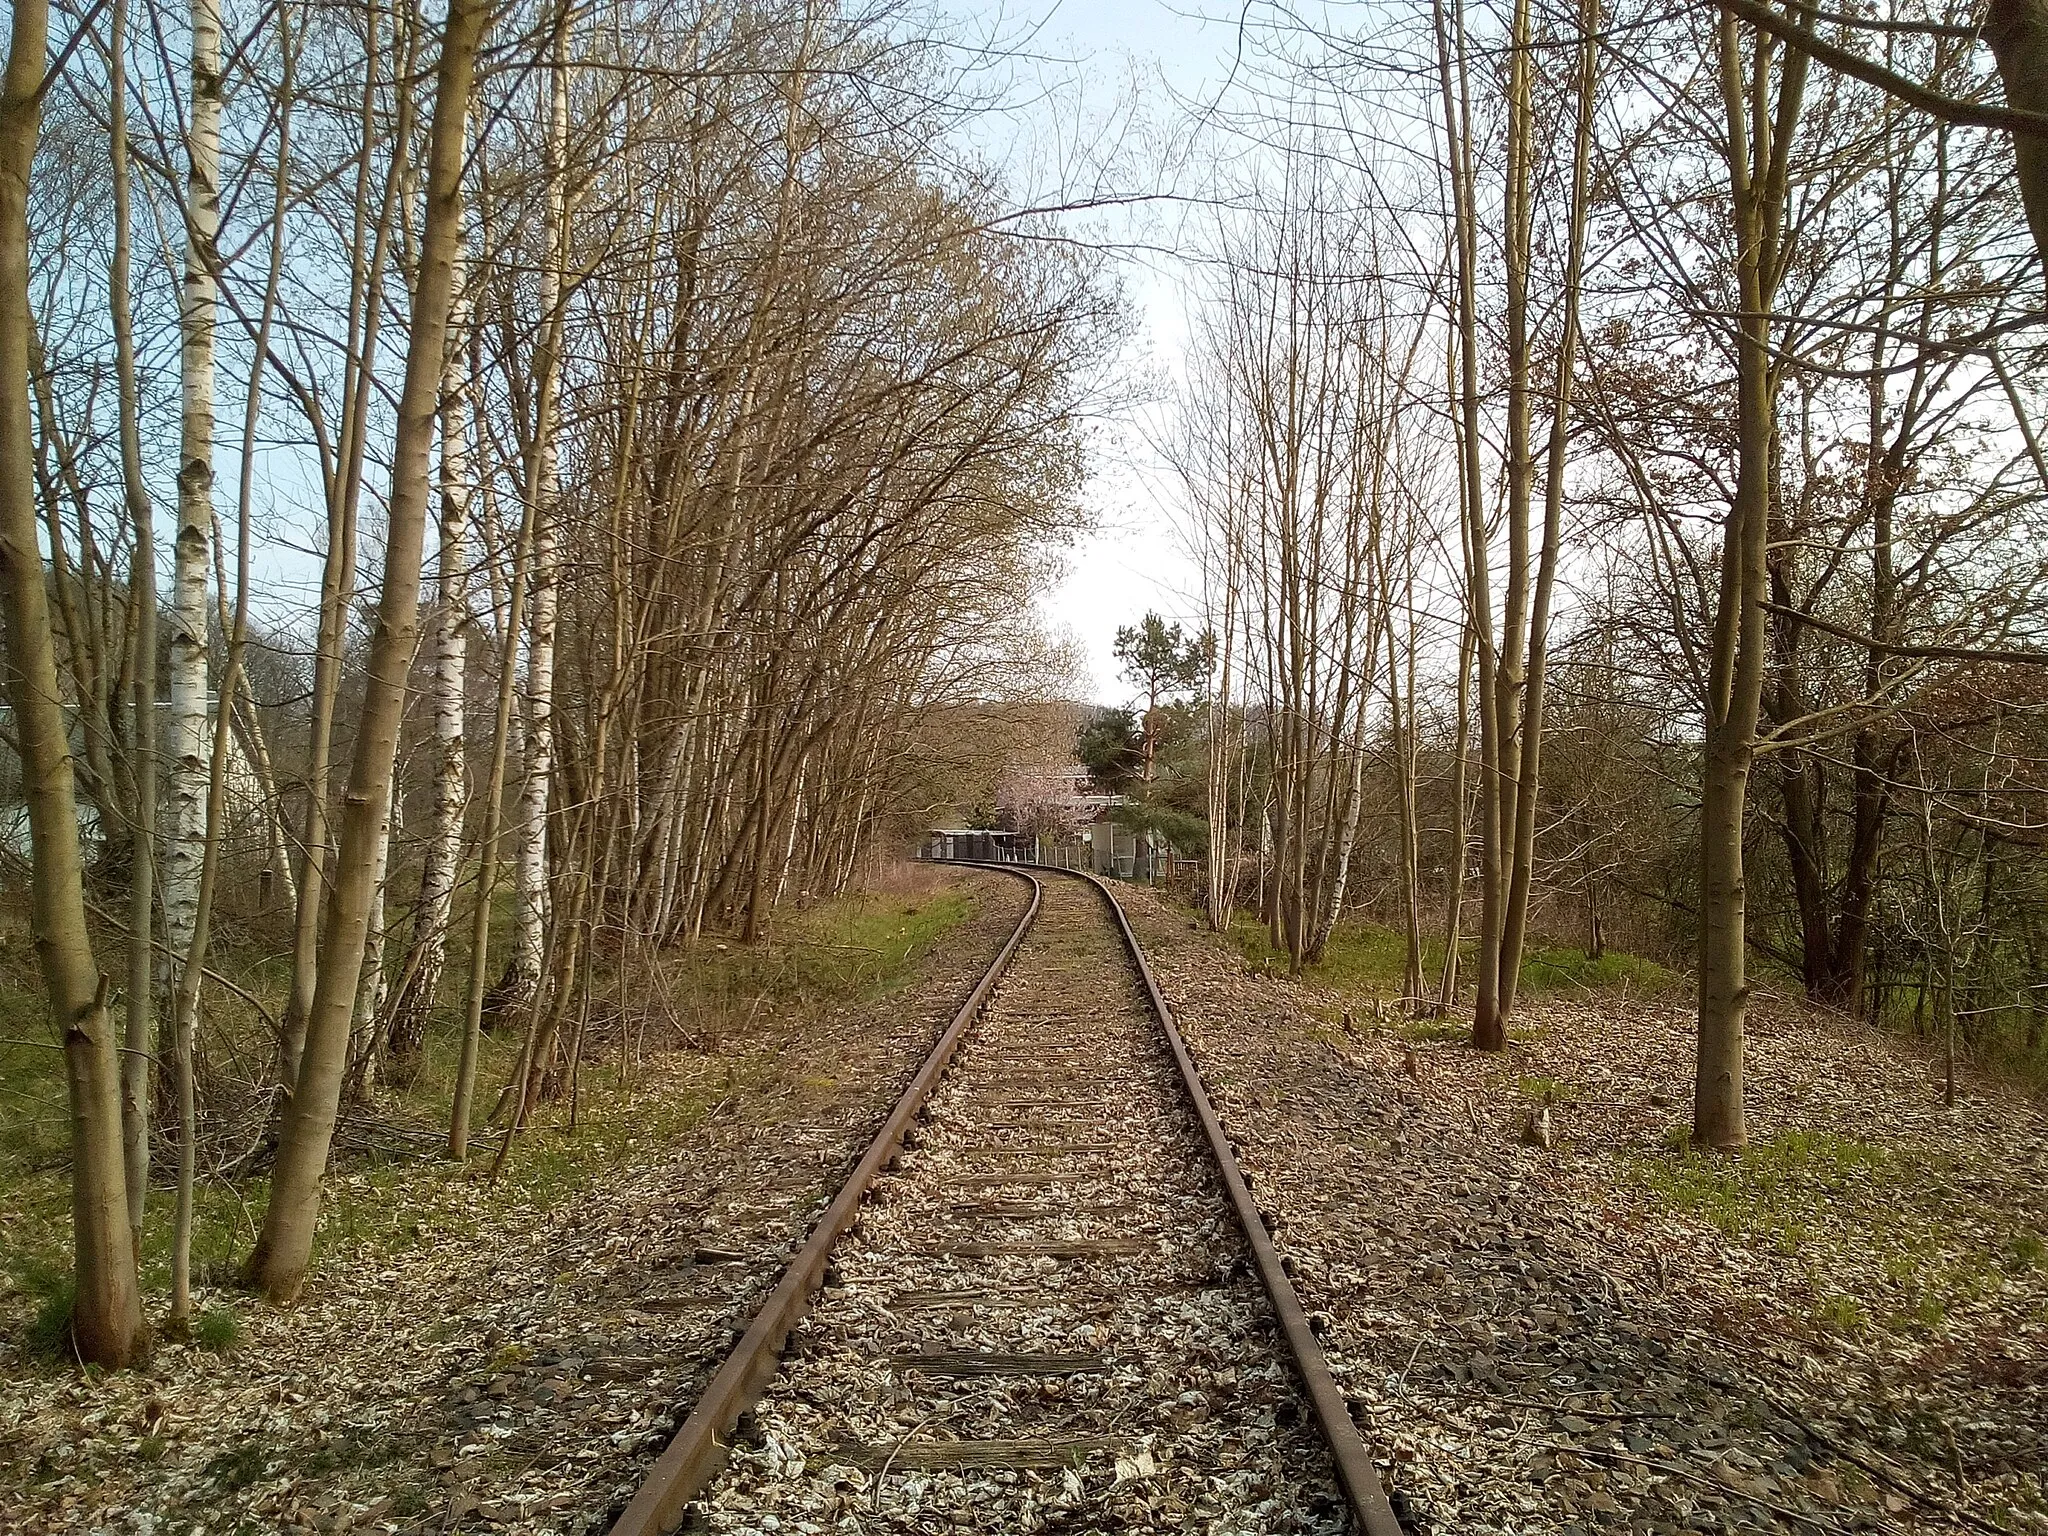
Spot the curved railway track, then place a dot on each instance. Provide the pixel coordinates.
(1043, 1301)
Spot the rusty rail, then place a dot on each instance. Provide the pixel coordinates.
(700, 1448)
(1356, 1472)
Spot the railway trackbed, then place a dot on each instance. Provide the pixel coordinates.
(1044, 1301)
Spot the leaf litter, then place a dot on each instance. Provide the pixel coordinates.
(513, 1368)
(1845, 1329)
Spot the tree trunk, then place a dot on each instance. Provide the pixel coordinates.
(2017, 31)
(530, 858)
(284, 1248)
(106, 1315)
(371, 228)
(143, 723)
(1758, 151)
(185, 845)
(1488, 1028)
(1528, 776)
(373, 991)
(420, 975)
(1454, 878)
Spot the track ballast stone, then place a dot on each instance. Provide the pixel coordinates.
(1045, 1319)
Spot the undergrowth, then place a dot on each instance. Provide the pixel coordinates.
(716, 997)
(1880, 1250)
(1775, 1189)
(1370, 959)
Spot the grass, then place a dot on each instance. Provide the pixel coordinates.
(48, 1335)
(218, 1329)
(1371, 959)
(846, 950)
(1776, 1189)
(1843, 1314)
(1550, 970)
(1837, 1203)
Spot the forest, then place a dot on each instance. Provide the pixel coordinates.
(517, 519)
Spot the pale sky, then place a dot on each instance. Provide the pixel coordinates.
(1095, 56)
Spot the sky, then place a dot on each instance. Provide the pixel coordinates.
(1078, 66)
(1090, 54)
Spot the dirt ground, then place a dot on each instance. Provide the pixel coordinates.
(511, 1369)
(1846, 1329)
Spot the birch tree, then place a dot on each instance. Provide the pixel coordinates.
(419, 982)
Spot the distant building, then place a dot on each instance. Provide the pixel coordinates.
(986, 845)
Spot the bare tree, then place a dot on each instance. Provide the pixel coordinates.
(284, 1248)
(106, 1319)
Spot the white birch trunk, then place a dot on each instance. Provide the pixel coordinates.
(420, 976)
(374, 985)
(187, 744)
(530, 860)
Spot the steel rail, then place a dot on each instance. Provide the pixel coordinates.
(700, 1448)
(1357, 1473)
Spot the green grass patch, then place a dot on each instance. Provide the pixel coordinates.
(1835, 1203)
(1551, 970)
(1372, 959)
(217, 1329)
(1544, 1090)
(49, 1288)
(2024, 1251)
(1841, 1314)
(1775, 1188)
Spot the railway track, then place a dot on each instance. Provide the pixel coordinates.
(1044, 1300)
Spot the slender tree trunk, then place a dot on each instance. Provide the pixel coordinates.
(1401, 730)
(278, 880)
(1522, 847)
(1507, 698)
(372, 228)
(420, 975)
(106, 1316)
(1488, 1028)
(1759, 147)
(530, 859)
(1222, 764)
(284, 1248)
(185, 847)
(144, 725)
(1454, 879)
(487, 839)
(372, 993)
